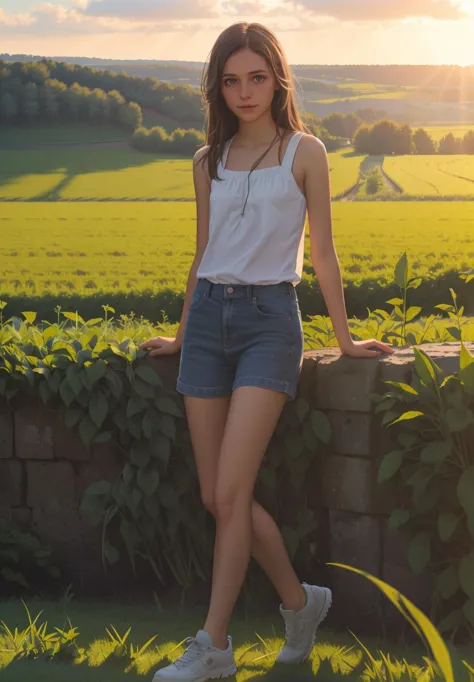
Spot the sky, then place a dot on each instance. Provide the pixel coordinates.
(311, 31)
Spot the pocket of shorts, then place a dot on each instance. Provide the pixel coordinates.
(196, 300)
(278, 307)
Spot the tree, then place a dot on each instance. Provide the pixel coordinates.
(131, 116)
(8, 107)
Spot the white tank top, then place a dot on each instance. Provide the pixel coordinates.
(263, 244)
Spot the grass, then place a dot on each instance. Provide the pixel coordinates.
(434, 175)
(263, 632)
(112, 247)
(79, 133)
(113, 174)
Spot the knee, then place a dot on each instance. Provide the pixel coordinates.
(228, 502)
(208, 501)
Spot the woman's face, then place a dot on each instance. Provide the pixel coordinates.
(247, 81)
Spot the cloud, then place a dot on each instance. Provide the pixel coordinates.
(153, 9)
(21, 19)
(249, 7)
(380, 10)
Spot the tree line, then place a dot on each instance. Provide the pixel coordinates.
(387, 137)
(29, 95)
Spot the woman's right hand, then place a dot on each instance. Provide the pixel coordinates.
(161, 345)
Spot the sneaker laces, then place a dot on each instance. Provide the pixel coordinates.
(193, 650)
(293, 630)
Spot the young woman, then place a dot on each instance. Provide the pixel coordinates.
(240, 333)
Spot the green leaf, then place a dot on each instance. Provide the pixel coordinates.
(87, 430)
(168, 406)
(406, 388)
(401, 271)
(111, 553)
(421, 624)
(99, 488)
(135, 405)
(161, 448)
(458, 418)
(167, 495)
(148, 375)
(148, 481)
(465, 359)
(390, 464)
(140, 454)
(14, 577)
(406, 416)
(321, 425)
(424, 367)
(436, 452)
(96, 371)
(465, 490)
(72, 417)
(447, 522)
(301, 408)
(468, 610)
(398, 517)
(466, 574)
(447, 582)
(66, 392)
(453, 620)
(419, 552)
(167, 426)
(98, 408)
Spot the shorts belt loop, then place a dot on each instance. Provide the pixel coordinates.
(250, 291)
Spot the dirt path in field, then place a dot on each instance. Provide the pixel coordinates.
(367, 165)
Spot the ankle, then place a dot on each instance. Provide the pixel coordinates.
(298, 602)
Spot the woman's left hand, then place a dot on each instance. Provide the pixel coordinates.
(360, 349)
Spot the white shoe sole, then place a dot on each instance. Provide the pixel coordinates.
(217, 675)
(324, 612)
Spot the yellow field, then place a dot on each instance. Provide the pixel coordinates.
(85, 248)
(448, 175)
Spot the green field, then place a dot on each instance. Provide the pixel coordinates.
(85, 248)
(78, 133)
(118, 174)
(446, 175)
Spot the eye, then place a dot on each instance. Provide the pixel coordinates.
(226, 80)
(259, 75)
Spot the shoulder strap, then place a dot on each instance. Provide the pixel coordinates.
(226, 151)
(291, 150)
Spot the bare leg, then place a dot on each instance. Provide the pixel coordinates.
(206, 419)
(252, 417)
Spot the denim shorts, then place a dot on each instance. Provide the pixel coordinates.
(241, 335)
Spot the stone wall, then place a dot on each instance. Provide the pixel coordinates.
(44, 470)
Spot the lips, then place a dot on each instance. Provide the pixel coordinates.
(250, 106)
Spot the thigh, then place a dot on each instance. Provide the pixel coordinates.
(206, 419)
(251, 421)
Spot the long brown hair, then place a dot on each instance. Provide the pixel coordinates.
(222, 123)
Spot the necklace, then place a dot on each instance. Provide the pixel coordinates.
(253, 168)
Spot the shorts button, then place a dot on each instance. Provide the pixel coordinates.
(230, 290)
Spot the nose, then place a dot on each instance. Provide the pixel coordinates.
(245, 91)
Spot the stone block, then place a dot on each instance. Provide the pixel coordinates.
(6, 434)
(355, 540)
(50, 485)
(397, 573)
(347, 483)
(11, 484)
(34, 432)
(351, 433)
(67, 443)
(22, 517)
(344, 383)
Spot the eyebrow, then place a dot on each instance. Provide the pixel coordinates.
(250, 73)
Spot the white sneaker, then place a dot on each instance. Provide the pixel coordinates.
(301, 626)
(200, 662)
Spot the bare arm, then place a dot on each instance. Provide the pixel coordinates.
(323, 253)
(202, 189)
(161, 345)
